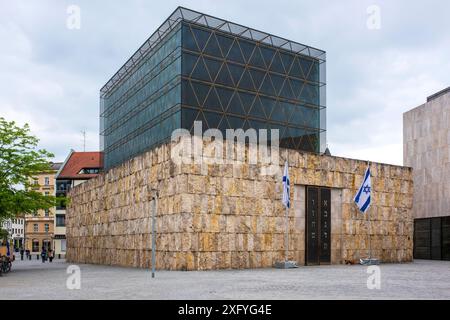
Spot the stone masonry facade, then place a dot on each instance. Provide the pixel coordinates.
(426, 148)
(221, 216)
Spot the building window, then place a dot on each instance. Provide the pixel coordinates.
(35, 247)
(63, 245)
(46, 244)
(35, 227)
(60, 220)
(46, 227)
(46, 212)
(47, 193)
(36, 182)
(46, 181)
(89, 171)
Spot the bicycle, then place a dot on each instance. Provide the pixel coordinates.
(5, 264)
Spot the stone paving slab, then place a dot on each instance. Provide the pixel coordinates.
(418, 280)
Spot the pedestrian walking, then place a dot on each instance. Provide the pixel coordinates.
(21, 253)
(50, 255)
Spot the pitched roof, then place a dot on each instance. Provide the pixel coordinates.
(56, 165)
(77, 161)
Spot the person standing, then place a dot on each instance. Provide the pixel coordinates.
(43, 254)
(50, 255)
(21, 253)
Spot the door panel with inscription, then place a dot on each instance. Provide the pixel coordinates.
(318, 225)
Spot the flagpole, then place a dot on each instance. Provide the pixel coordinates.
(368, 218)
(286, 236)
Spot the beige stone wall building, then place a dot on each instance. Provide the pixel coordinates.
(229, 216)
(426, 148)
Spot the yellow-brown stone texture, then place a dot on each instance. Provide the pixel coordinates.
(229, 216)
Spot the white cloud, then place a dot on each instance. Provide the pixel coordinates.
(51, 76)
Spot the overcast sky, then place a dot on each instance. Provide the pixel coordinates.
(50, 75)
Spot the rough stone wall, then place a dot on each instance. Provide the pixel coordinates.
(426, 148)
(229, 216)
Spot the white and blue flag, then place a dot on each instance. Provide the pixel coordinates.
(362, 198)
(286, 186)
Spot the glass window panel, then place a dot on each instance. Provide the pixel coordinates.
(224, 43)
(212, 101)
(310, 94)
(255, 124)
(310, 117)
(188, 97)
(235, 105)
(286, 92)
(201, 90)
(267, 54)
(246, 82)
(306, 66)
(247, 101)
(200, 72)
(224, 96)
(247, 49)
(235, 53)
(296, 86)
(296, 71)
(298, 116)
(212, 48)
(279, 114)
(277, 82)
(267, 86)
(277, 65)
(235, 122)
(257, 109)
(213, 119)
(236, 72)
(287, 60)
(188, 117)
(257, 76)
(188, 39)
(213, 67)
(257, 59)
(224, 76)
(201, 118)
(268, 105)
(314, 72)
(188, 63)
(201, 36)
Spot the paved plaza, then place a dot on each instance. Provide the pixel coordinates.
(418, 280)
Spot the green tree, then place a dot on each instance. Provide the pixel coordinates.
(20, 161)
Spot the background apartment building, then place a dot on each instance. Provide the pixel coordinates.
(16, 230)
(76, 169)
(39, 228)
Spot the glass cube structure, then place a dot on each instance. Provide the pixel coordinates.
(198, 67)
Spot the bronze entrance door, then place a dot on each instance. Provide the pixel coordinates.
(318, 225)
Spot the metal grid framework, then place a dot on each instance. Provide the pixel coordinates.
(234, 82)
(189, 15)
(224, 74)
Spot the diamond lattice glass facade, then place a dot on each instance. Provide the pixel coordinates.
(197, 67)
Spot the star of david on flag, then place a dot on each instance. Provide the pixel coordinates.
(362, 198)
(286, 186)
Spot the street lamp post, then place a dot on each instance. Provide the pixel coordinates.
(154, 212)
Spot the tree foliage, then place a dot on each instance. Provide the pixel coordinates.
(20, 161)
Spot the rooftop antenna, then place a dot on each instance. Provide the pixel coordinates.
(83, 132)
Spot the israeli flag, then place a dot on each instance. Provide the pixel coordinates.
(362, 198)
(286, 186)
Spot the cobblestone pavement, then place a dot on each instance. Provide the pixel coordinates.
(418, 280)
